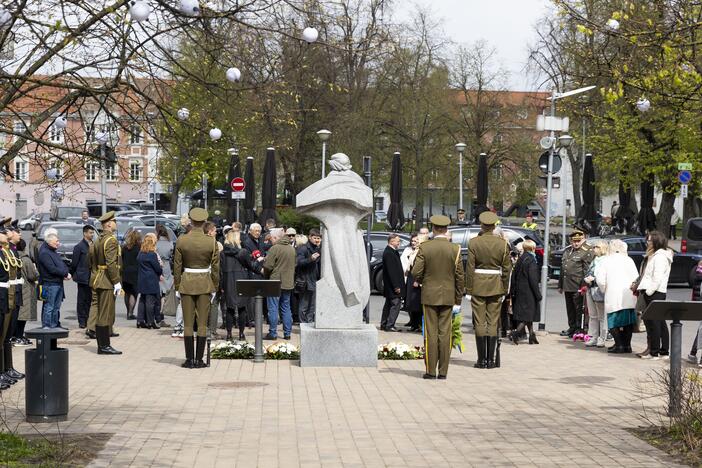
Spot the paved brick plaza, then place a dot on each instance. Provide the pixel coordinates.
(554, 404)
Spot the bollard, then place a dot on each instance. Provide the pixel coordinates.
(258, 311)
(46, 369)
(675, 371)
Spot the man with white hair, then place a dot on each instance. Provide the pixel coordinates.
(52, 272)
(280, 265)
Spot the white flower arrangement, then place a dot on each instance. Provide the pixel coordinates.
(399, 351)
(282, 350)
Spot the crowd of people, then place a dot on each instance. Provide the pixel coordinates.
(195, 281)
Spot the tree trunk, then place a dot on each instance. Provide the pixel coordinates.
(665, 212)
(175, 190)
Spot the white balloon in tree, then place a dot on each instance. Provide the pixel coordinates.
(310, 35)
(613, 24)
(61, 122)
(643, 104)
(190, 7)
(139, 10)
(215, 134)
(183, 113)
(234, 75)
(5, 17)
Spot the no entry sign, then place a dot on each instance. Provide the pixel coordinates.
(238, 184)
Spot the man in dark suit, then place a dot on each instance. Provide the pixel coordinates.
(393, 284)
(80, 271)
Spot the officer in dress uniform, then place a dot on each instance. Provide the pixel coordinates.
(105, 275)
(195, 276)
(438, 267)
(9, 268)
(574, 265)
(13, 237)
(461, 217)
(487, 279)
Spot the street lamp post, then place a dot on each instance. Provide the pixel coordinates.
(235, 152)
(369, 247)
(564, 141)
(549, 188)
(324, 136)
(460, 147)
(101, 138)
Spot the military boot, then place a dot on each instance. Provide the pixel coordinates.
(189, 352)
(480, 363)
(491, 345)
(201, 342)
(7, 359)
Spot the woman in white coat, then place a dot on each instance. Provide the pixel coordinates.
(654, 286)
(614, 275)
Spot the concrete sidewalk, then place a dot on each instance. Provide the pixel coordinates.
(553, 404)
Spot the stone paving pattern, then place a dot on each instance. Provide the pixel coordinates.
(553, 404)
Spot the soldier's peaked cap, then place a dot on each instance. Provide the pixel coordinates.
(488, 217)
(198, 215)
(440, 220)
(577, 234)
(109, 216)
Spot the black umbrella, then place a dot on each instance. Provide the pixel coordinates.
(249, 215)
(234, 172)
(269, 189)
(647, 218)
(587, 217)
(396, 218)
(481, 186)
(624, 216)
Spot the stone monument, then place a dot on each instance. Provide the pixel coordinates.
(339, 337)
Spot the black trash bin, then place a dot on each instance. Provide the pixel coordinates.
(46, 369)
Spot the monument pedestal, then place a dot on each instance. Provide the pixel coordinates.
(338, 347)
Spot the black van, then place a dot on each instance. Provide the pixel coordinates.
(95, 208)
(692, 236)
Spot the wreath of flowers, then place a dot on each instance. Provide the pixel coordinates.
(245, 350)
(399, 351)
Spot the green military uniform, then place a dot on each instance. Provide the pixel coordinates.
(439, 269)
(10, 267)
(487, 279)
(195, 277)
(105, 278)
(574, 266)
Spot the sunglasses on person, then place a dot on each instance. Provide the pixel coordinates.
(291, 235)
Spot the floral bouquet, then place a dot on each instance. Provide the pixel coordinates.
(456, 333)
(400, 351)
(282, 351)
(233, 350)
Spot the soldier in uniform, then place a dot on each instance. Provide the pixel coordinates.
(461, 217)
(195, 276)
(438, 267)
(487, 279)
(574, 265)
(9, 267)
(16, 281)
(105, 274)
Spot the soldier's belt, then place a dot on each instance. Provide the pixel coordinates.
(102, 267)
(488, 272)
(4, 285)
(17, 281)
(196, 270)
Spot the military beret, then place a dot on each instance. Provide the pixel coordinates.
(488, 217)
(198, 215)
(440, 220)
(109, 216)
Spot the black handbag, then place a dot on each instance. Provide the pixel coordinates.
(300, 285)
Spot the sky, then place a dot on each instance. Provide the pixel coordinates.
(506, 25)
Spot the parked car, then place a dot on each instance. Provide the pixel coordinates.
(380, 216)
(691, 240)
(681, 272)
(143, 230)
(379, 240)
(95, 208)
(69, 235)
(60, 213)
(32, 222)
(124, 224)
(462, 235)
(150, 220)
